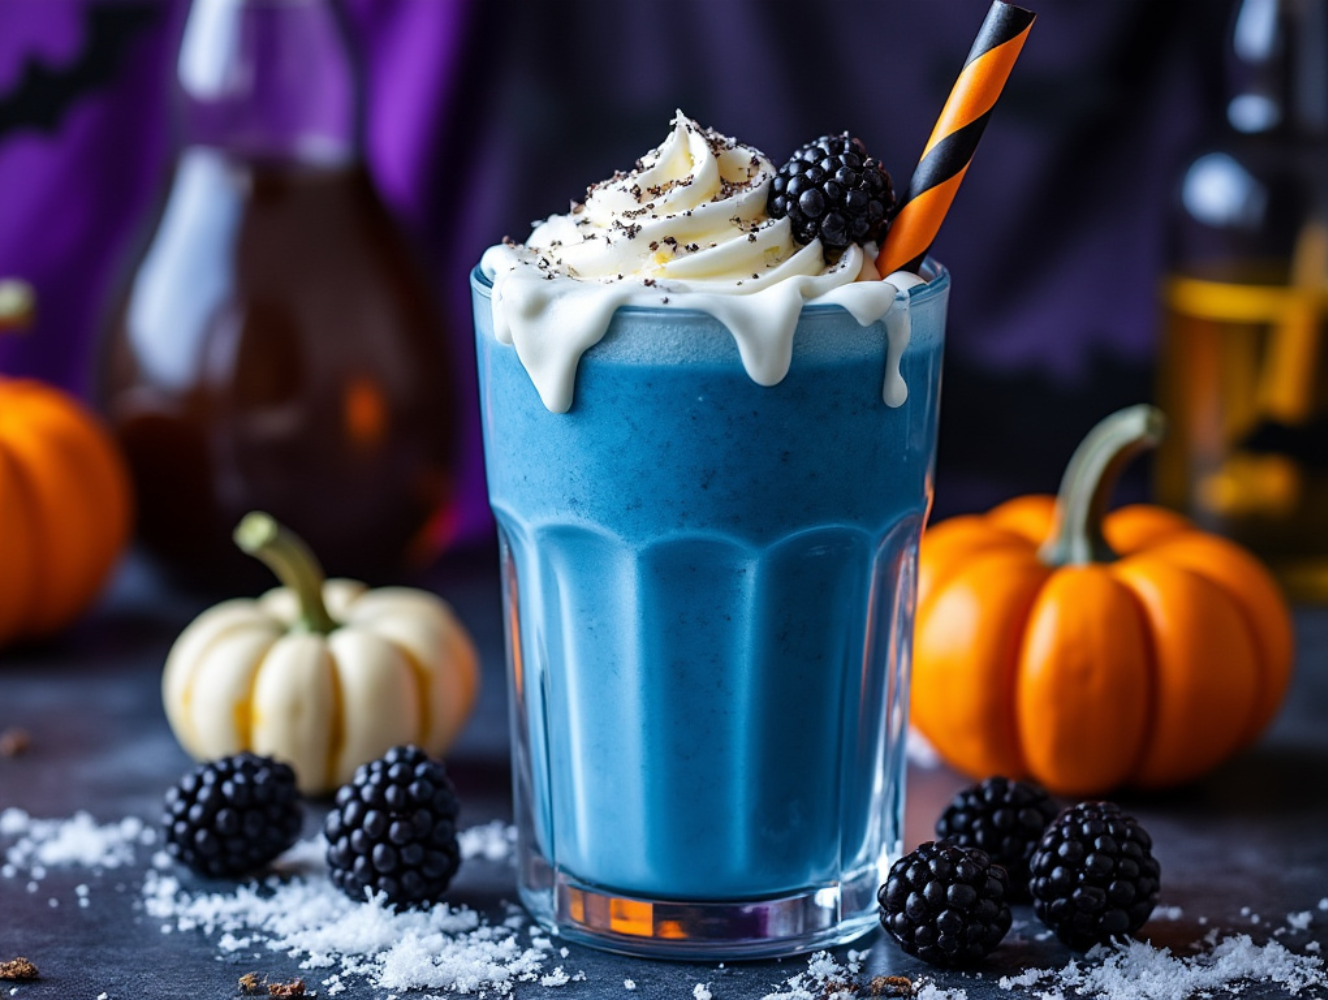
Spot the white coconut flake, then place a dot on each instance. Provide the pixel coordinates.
(1167, 913)
(1135, 970)
(494, 841)
(629, 984)
(702, 991)
(13, 822)
(825, 979)
(1299, 921)
(77, 841)
(930, 991)
(556, 978)
(300, 913)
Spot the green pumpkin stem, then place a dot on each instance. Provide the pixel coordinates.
(285, 553)
(1076, 537)
(18, 305)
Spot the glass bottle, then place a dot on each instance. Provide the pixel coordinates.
(278, 347)
(1243, 367)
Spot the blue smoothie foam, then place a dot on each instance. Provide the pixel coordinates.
(702, 577)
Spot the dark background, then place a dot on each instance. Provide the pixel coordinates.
(483, 116)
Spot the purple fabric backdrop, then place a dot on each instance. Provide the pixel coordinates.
(78, 195)
(482, 117)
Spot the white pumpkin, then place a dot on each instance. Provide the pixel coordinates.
(322, 675)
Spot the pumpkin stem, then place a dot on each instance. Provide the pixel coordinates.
(285, 553)
(18, 305)
(1076, 535)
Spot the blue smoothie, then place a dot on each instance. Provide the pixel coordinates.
(709, 589)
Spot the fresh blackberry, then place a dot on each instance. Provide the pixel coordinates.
(1094, 876)
(946, 904)
(393, 830)
(832, 189)
(233, 815)
(1004, 818)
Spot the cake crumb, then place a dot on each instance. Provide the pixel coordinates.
(891, 986)
(14, 742)
(18, 968)
(295, 988)
(249, 982)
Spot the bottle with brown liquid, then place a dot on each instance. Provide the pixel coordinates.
(1244, 366)
(278, 348)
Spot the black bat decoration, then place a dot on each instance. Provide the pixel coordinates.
(44, 94)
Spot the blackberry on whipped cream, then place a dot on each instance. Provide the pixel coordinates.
(833, 191)
(687, 228)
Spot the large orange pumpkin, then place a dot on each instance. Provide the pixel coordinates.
(1087, 650)
(64, 500)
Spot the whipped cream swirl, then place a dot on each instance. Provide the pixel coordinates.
(686, 228)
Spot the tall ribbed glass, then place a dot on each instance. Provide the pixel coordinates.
(709, 592)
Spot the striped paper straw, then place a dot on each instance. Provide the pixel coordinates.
(955, 137)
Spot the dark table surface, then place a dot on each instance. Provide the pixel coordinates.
(1240, 850)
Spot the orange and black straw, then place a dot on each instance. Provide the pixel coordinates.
(955, 137)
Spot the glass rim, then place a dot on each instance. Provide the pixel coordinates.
(939, 283)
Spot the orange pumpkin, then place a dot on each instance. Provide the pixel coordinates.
(1087, 650)
(64, 499)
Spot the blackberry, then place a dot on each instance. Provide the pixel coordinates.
(232, 815)
(946, 904)
(1004, 818)
(393, 830)
(1094, 876)
(832, 189)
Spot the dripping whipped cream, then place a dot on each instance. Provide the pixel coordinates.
(686, 228)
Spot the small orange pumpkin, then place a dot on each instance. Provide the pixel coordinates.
(64, 498)
(1087, 650)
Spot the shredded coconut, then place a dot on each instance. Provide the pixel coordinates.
(1135, 970)
(556, 978)
(930, 991)
(629, 984)
(300, 913)
(825, 979)
(81, 841)
(494, 841)
(1299, 921)
(702, 991)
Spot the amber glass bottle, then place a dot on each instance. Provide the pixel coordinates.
(1244, 369)
(277, 348)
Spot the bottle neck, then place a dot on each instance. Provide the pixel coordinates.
(270, 80)
(1277, 69)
